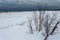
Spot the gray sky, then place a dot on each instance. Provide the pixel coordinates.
(47, 1)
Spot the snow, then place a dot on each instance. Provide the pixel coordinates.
(56, 35)
(10, 28)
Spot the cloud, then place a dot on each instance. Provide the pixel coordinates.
(49, 2)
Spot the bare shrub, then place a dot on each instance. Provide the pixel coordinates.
(30, 25)
(48, 22)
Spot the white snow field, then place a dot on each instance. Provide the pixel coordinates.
(12, 29)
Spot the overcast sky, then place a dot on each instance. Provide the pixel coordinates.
(46, 1)
(54, 4)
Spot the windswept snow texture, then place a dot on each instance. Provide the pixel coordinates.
(10, 28)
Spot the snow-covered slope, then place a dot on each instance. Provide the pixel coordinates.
(10, 28)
